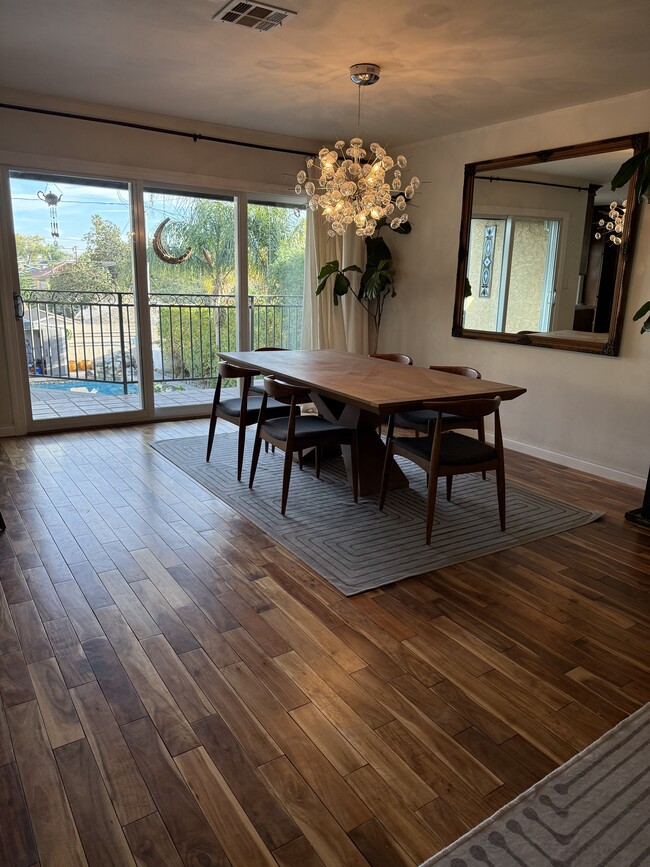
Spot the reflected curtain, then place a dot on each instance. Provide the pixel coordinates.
(325, 326)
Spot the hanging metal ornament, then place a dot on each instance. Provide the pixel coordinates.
(160, 251)
(52, 200)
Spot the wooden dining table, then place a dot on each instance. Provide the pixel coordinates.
(357, 391)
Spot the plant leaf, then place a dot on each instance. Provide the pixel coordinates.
(627, 169)
(341, 284)
(352, 268)
(643, 309)
(328, 269)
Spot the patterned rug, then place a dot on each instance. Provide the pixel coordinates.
(591, 812)
(354, 545)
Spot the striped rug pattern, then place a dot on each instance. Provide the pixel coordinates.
(590, 812)
(354, 545)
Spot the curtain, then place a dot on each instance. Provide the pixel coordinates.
(325, 326)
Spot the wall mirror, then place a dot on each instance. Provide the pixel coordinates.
(546, 247)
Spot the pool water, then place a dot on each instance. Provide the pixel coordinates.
(93, 387)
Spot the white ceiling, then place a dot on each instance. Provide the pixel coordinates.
(447, 66)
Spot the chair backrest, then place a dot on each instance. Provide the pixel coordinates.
(269, 349)
(230, 371)
(284, 392)
(397, 357)
(461, 371)
(474, 407)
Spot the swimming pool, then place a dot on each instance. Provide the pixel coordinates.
(92, 386)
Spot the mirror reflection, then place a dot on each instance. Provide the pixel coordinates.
(545, 246)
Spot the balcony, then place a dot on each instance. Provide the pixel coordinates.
(82, 352)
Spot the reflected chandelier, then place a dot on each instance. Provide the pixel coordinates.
(352, 188)
(613, 228)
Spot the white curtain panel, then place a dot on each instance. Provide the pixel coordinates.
(325, 326)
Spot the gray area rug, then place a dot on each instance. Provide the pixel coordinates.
(590, 812)
(354, 545)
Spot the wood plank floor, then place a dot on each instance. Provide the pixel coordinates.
(178, 690)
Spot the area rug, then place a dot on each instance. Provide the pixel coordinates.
(354, 545)
(590, 812)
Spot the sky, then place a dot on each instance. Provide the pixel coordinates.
(79, 202)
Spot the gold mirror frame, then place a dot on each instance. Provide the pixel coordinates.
(636, 142)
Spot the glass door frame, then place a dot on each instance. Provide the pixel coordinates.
(11, 328)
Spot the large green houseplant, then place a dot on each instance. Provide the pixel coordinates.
(377, 278)
(639, 162)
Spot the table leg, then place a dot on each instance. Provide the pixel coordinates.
(372, 451)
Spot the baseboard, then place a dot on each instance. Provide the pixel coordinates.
(576, 463)
(7, 431)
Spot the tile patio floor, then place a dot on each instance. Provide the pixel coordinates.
(50, 403)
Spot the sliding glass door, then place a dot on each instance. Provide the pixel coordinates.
(192, 288)
(128, 292)
(76, 307)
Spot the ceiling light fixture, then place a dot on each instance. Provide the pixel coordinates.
(352, 187)
(612, 230)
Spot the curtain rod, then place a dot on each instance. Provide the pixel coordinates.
(538, 183)
(195, 136)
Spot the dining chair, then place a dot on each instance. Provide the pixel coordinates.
(448, 454)
(422, 420)
(295, 433)
(240, 411)
(392, 356)
(259, 389)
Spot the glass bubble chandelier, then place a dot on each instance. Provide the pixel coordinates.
(612, 229)
(352, 187)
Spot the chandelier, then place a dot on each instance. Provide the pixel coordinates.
(352, 187)
(613, 228)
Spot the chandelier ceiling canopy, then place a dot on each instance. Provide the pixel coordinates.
(353, 187)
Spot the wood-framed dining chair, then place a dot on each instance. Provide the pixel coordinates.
(294, 433)
(397, 357)
(422, 420)
(448, 454)
(240, 411)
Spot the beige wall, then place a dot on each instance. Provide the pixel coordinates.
(587, 408)
(50, 143)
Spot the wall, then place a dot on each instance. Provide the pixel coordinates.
(583, 410)
(52, 143)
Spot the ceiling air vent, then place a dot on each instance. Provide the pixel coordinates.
(252, 15)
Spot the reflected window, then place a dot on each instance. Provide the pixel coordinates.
(511, 271)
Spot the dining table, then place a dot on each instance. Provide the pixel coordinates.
(358, 391)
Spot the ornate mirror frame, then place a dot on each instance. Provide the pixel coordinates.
(637, 142)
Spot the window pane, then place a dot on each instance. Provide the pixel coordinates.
(75, 260)
(276, 263)
(484, 267)
(530, 248)
(192, 300)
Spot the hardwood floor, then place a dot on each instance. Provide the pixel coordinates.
(178, 690)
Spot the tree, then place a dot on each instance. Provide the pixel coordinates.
(33, 250)
(106, 247)
(84, 275)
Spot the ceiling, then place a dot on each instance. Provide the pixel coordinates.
(446, 66)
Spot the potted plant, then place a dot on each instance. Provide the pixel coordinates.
(376, 283)
(640, 162)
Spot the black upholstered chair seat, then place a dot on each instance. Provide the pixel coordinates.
(421, 418)
(456, 450)
(307, 427)
(232, 407)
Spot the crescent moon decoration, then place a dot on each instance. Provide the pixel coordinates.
(160, 251)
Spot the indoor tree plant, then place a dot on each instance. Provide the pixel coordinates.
(638, 163)
(377, 279)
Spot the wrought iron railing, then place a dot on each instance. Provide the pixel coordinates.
(92, 336)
